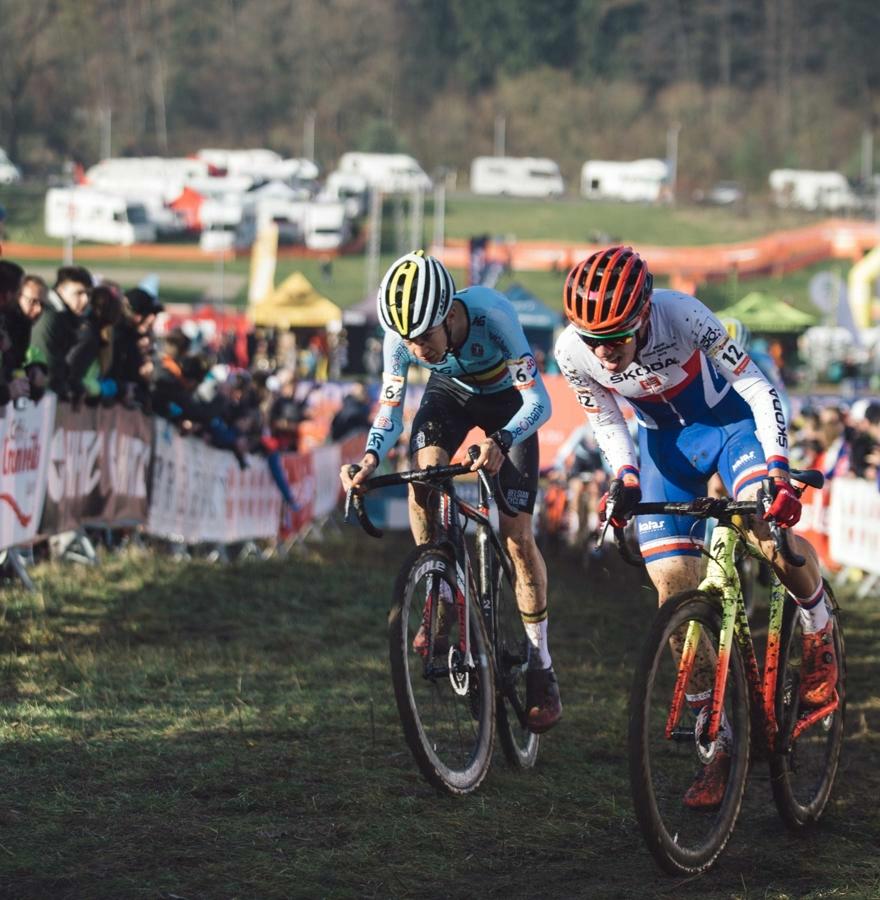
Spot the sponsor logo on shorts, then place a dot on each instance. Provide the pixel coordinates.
(745, 458)
(648, 525)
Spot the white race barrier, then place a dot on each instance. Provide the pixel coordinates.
(200, 494)
(854, 524)
(25, 436)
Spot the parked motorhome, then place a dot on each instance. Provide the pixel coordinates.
(85, 214)
(347, 188)
(9, 172)
(327, 226)
(260, 165)
(639, 180)
(806, 189)
(512, 176)
(387, 172)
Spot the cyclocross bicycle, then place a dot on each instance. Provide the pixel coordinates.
(457, 643)
(668, 743)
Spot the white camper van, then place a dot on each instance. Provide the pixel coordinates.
(9, 172)
(327, 226)
(89, 215)
(347, 188)
(639, 180)
(387, 172)
(805, 189)
(512, 176)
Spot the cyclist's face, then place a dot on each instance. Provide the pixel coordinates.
(430, 346)
(616, 357)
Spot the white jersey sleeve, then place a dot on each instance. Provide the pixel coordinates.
(600, 406)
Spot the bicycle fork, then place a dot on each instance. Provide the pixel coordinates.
(721, 577)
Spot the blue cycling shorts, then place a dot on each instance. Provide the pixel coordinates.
(676, 465)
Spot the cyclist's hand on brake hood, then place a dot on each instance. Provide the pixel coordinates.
(353, 475)
(622, 498)
(786, 505)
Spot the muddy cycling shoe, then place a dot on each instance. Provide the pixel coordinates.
(543, 706)
(818, 667)
(708, 788)
(422, 638)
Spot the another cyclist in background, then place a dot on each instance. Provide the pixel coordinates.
(703, 407)
(742, 337)
(581, 460)
(483, 374)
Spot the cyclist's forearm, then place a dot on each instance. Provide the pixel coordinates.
(386, 429)
(534, 412)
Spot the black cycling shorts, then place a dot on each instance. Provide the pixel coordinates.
(447, 414)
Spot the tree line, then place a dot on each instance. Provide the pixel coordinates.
(751, 84)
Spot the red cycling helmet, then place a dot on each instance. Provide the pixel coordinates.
(608, 292)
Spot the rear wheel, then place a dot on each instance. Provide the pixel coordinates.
(802, 777)
(445, 696)
(520, 746)
(685, 840)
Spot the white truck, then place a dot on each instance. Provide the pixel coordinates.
(85, 214)
(827, 191)
(638, 180)
(512, 176)
(391, 173)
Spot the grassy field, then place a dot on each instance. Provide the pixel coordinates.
(194, 731)
(570, 219)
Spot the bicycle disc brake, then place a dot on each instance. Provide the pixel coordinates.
(459, 676)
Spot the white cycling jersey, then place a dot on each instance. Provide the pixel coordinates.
(685, 367)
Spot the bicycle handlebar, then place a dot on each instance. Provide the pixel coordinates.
(724, 509)
(354, 498)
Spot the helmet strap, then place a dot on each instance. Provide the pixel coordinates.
(450, 347)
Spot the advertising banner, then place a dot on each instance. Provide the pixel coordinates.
(25, 435)
(97, 474)
(854, 524)
(200, 494)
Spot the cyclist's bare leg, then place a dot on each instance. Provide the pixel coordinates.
(672, 576)
(801, 581)
(531, 571)
(418, 499)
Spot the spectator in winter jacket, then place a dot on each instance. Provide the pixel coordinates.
(55, 332)
(90, 358)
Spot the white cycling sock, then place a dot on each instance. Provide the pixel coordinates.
(536, 631)
(813, 611)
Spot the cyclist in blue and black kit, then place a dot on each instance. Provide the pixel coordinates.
(483, 374)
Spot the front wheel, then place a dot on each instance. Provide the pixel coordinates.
(445, 689)
(802, 776)
(667, 764)
(520, 745)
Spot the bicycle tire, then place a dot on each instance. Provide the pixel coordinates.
(803, 778)
(683, 841)
(449, 727)
(520, 745)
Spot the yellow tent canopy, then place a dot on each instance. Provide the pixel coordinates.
(295, 304)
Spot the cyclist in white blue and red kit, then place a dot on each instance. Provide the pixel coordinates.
(703, 407)
(483, 374)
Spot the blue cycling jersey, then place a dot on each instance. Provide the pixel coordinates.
(495, 356)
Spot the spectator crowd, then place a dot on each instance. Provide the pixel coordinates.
(93, 343)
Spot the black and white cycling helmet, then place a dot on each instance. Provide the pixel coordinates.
(415, 295)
